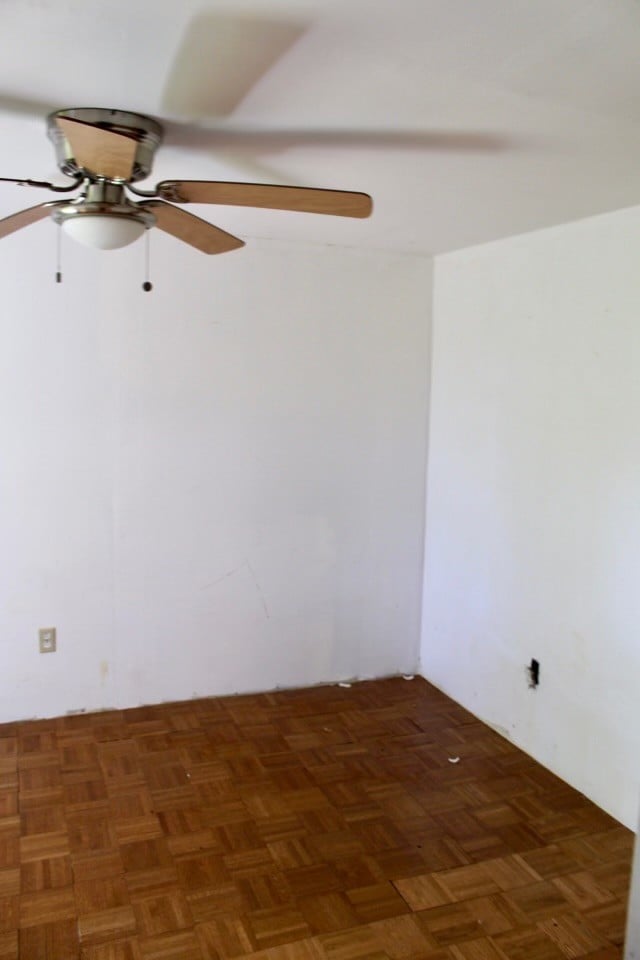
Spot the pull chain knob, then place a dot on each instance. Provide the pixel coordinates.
(147, 286)
(59, 254)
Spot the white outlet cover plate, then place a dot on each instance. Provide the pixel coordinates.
(47, 639)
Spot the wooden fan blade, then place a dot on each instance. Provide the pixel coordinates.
(185, 226)
(25, 217)
(339, 203)
(222, 57)
(101, 152)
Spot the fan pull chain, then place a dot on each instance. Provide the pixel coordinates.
(147, 285)
(59, 254)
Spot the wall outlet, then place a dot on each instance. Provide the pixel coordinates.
(47, 639)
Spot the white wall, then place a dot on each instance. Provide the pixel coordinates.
(533, 517)
(632, 938)
(215, 487)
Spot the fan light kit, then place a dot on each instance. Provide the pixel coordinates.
(106, 151)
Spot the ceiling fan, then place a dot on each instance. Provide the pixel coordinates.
(106, 151)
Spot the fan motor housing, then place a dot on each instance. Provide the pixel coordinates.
(103, 199)
(146, 132)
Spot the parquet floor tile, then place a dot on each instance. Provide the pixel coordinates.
(9, 945)
(55, 939)
(481, 949)
(320, 824)
(495, 914)
(422, 893)
(528, 943)
(449, 924)
(106, 924)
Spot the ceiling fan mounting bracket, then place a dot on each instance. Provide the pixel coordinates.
(145, 133)
(171, 192)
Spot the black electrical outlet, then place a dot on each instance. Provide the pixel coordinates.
(534, 673)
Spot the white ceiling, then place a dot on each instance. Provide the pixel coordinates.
(466, 120)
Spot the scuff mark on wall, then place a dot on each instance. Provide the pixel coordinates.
(245, 565)
(225, 576)
(259, 589)
(104, 671)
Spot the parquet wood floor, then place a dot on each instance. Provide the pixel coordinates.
(321, 824)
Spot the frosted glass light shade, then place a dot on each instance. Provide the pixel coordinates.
(103, 231)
